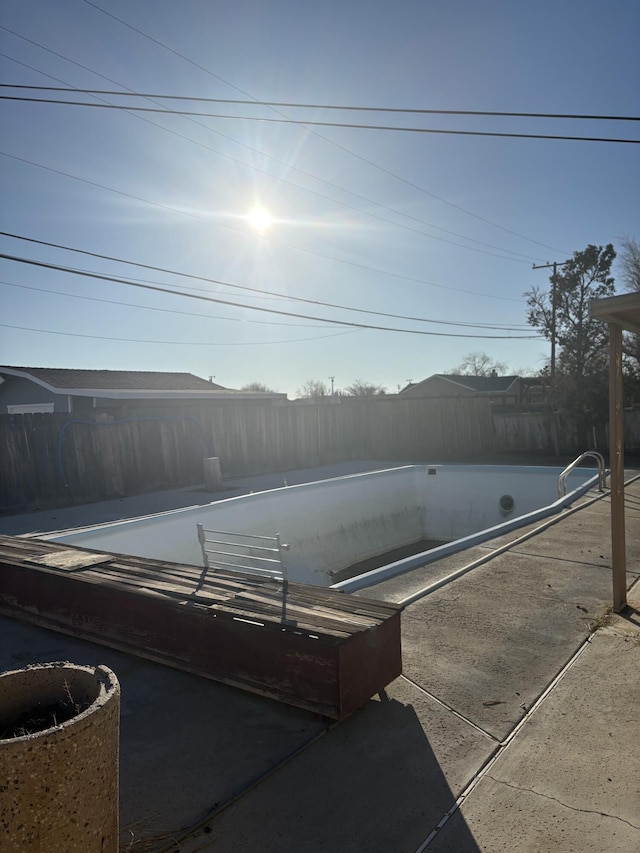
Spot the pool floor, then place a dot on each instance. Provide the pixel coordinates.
(387, 557)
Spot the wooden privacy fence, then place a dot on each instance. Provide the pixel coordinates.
(548, 432)
(303, 435)
(56, 460)
(51, 460)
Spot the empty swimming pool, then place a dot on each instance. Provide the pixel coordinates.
(332, 524)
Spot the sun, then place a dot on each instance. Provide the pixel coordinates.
(259, 218)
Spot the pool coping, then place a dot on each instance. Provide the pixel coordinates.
(433, 555)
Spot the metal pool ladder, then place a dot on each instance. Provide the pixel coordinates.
(602, 476)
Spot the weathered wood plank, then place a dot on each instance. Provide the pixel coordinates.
(325, 659)
(265, 593)
(71, 561)
(322, 615)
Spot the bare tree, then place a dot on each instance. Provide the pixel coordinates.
(479, 364)
(257, 386)
(629, 260)
(362, 388)
(313, 388)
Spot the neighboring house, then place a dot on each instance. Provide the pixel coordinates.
(499, 389)
(26, 390)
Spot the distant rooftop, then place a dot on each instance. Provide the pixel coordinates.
(62, 379)
(478, 384)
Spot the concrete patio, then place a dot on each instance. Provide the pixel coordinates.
(514, 726)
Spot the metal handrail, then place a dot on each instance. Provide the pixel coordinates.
(245, 551)
(602, 476)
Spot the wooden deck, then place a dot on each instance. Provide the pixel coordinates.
(313, 648)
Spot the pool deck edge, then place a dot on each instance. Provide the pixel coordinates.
(498, 736)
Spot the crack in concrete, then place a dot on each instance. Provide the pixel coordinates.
(560, 802)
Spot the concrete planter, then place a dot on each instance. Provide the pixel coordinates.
(59, 784)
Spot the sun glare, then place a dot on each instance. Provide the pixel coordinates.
(259, 219)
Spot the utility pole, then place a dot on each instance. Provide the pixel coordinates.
(554, 265)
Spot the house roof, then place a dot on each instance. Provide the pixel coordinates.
(477, 384)
(129, 384)
(67, 381)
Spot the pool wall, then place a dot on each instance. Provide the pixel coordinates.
(332, 524)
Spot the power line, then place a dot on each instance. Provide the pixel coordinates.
(294, 168)
(165, 290)
(314, 123)
(256, 290)
(331, 142)
(294, 105)
(172, 311)
(174, 343)
(208, 220)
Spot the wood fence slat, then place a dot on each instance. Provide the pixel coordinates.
(51, 460)
(61, 459)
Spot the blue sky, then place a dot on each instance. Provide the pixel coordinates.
(432, 227)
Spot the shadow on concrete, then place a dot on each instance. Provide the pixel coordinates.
(455, 835)
(186, 743)
(371, 784)
(631, 614)
(189, 746)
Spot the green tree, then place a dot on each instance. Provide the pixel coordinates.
(579, 386)
(362, 388)
(581, 340)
